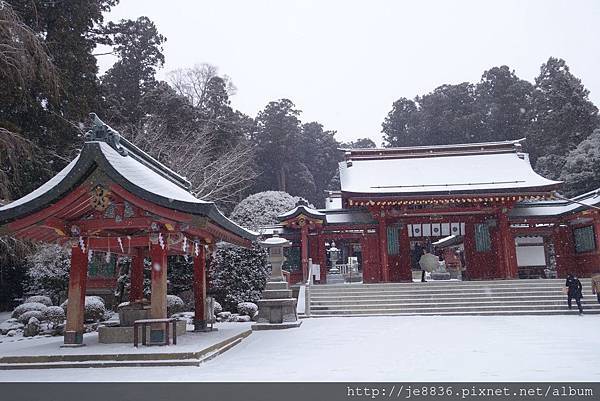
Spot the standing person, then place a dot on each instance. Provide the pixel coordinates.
(596, 285)
(574, 291)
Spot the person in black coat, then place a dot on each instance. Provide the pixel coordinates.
(574, 291)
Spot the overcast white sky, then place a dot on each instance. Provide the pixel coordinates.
(343, 63)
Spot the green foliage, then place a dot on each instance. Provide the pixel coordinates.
(563, 115)
(237, 275)
(581, 170)
(360, 143)
(138, 45)
(300, 159)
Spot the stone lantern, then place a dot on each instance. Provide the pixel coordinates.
(277, 308)
(334, 256)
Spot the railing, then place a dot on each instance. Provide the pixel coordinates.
(308, 285)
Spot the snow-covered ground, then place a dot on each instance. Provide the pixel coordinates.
(416, 348)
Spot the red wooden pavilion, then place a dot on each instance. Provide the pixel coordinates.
(114, 198)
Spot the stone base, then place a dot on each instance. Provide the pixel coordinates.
(277, 310)
(73, 338)
(440, 276)
(72, 345)
(276, 326)
(111, 335)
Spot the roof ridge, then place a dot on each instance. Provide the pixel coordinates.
(512, 146)
(102, 132)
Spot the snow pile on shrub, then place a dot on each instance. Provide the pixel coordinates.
(237, 275)
(32, 328)
(247, 308)
(262, 209)
(55, 315)
(94, 308)
(174, 305)
(217, 307)
(42, 299)
(27, 307)
(10, 325)
(24, 318)
(48, 270)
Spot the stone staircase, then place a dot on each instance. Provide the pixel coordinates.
(498, 297)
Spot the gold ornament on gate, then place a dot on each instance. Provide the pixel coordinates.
(100, 200)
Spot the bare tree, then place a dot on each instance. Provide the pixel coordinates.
(221, 178)
(13, 148)
(23, 56)
(192, 82)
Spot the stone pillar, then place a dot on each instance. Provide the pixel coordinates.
(136, 291)
(304, 250)
(322, 257)
(383, 251)
(200, 289)
(76, 305)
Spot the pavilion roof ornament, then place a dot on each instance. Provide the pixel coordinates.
(100, 131)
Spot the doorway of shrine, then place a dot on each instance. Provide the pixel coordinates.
(408, 242)
(349, 260)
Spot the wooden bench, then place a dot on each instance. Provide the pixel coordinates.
(144, 323)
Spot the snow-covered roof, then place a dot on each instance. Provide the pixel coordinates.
(301, 209)
(466, 168)
(556, 207)
(133, 170)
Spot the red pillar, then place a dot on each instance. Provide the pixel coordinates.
(158, 298)
(564, 250)
(200, 289)
(136, 290)
(76, 305)
(383, 251)
(508, 267)
(405, 273)
(473, 267)
(304, 251)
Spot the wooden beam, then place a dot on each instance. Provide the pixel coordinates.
(48, 211)
(89, 226)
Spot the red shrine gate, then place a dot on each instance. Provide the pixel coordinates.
(114, 198)
(393, 201)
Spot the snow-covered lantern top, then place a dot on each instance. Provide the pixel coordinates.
(275, 246)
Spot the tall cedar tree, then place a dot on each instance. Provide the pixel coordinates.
(139, 47)
(504, 104)
(276, 139)
(70, 33)
(562, 114)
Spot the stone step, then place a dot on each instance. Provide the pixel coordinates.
(485, 283)
(428, 286)
(467, 313)
(408, 300)
(457, 293)
(434, 309)
(433, 298)
(442, 304)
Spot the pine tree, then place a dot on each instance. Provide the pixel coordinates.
(504, 103)
(562, 113)
(400, 125)
(276, 141)
(139, 47)
(581, 171)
